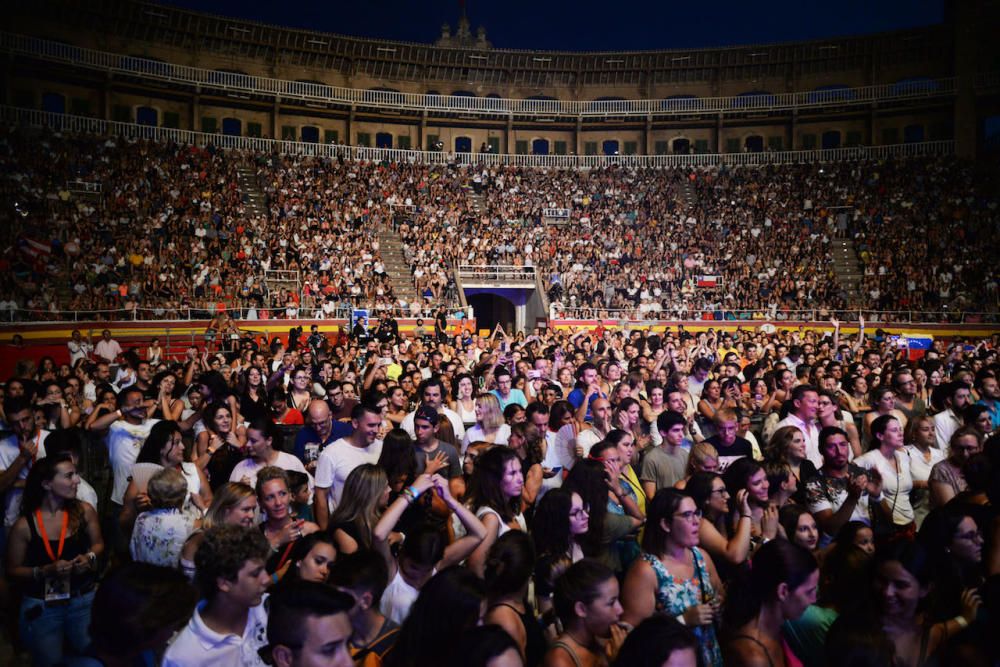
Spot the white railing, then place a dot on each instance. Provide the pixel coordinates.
(321, 93)
(84, 125)
(496, 273)
(874, 318)
(194, 313)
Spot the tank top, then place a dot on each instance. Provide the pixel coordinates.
(534, 646)
(36, 555)
(468, 417)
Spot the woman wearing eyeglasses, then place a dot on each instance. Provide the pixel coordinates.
(674, 575)
(711, 496)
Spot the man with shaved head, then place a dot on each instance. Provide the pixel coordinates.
(320, 430)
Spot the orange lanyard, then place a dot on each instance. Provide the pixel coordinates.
(45, 537)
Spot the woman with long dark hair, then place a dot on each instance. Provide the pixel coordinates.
(163, 447)
(52, 552)
(783, 582)
(725, 542)
(449, 604)
(586, 601)
(509, 566)
(526, 441)
(614, 515)
(497, 485)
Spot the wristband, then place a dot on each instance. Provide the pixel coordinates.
(416, 492)
(962, 623)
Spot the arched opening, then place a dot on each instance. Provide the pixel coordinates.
(463, 144)
(147, 116)
(540, 146)
(831, 139)
(383, 140)
(54, 102)
(754, 144)
(680, 146)
(490, 310)
(463, 93)
(232, 127)
(310, 134)
(913, 134)
(610, 147)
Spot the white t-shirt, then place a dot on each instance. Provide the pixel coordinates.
(197, 644)
(9, 451)
(476, 433)
(124, 441)
(336, 462)
(86, 493)
(248, 468)
(397, 599)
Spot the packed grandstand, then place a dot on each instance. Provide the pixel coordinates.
(261, 405)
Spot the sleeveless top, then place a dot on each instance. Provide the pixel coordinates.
(503, 529)
(674, 595)
(468, 417)
(534, 645)
(35, 555)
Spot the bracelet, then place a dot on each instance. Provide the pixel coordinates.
(962, 623)
(408, 494)
(416, 492)
(746, 516)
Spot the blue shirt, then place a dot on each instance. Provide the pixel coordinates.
(308, 446)
(575, 399)
(515, 396)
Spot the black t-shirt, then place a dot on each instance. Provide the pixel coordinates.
(741, 447)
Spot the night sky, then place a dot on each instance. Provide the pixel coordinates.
(588, 25)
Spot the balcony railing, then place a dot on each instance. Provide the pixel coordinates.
(493, 106)
(84, 125)
(496, 274)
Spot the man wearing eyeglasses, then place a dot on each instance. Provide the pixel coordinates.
(320, 430)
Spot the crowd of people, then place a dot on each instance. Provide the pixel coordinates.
(169, 233)
(567, 497)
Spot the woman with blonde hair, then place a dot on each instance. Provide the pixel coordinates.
(703, 457)
(924, 454)
(234, 503)
(489, 426)
(366, 495)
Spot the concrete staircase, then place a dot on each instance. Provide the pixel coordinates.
(688, 195)
(396, 266)
(253, 196)
(847, 267)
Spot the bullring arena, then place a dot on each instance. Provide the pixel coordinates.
(333, 349)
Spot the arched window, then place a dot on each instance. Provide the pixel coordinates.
(754, 144)
(831, 139)
(680, 146)
(610, 146)
(383, 140)
(913, 85)
(463, 144)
